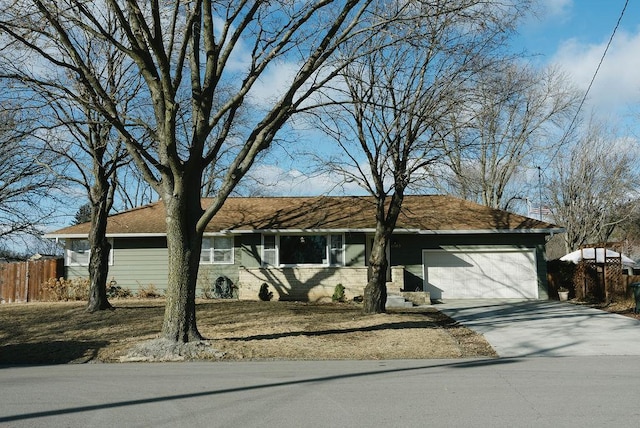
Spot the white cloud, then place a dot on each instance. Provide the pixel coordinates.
(273, 83)
(548, 12)
(557, 8)
(617, 85)
(272, 180)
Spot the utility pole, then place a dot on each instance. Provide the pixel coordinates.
(540, 193)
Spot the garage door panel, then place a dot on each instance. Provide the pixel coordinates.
(480, 274)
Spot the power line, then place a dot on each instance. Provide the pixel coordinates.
(584, 98)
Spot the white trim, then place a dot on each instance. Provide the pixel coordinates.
(108, 235)
(212, 250)
(398, 231)
(220, 233)
(68, 252)
(275, 250)
(327, 250)
(342, 250)
(549, 231)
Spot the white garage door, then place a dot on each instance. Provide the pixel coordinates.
(480, 274)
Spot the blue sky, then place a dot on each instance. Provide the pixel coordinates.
(587, 21)
(573, 34)
(569, 34)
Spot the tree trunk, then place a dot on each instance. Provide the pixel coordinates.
(99, 255)
(183, 209)
(99, 270)
(375, 293)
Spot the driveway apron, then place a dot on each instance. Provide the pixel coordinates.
(517, 328)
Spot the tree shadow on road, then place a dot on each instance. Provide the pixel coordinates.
(50, 352)
(417, 369)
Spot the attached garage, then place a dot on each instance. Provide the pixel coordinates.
(481, 273)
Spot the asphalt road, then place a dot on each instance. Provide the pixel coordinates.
(506, 392)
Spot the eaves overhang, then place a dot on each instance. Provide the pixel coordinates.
(405, 231)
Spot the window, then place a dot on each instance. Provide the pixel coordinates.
(217, 250)
(303, 249)
(337, 250)
(78, 251)
(269, 250)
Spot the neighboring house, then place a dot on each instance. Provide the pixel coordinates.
(302, 247)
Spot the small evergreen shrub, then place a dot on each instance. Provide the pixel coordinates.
(223, 288)
(338, 293)
(264, 294)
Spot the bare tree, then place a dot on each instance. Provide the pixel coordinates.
(592, 185)
(514, 118)
(27, 190)
(393, 109)
(73, 129)
(96, 154)
(132, 190)
(192, 55)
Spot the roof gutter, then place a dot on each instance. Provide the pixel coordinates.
(550, 231)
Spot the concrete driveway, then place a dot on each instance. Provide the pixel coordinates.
(546, 328)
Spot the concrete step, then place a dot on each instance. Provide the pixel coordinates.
(395, 301)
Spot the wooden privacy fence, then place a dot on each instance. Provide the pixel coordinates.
(22, 281)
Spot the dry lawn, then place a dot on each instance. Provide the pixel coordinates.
(624, 307)
(43, 333)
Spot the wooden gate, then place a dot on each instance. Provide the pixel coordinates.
(22, 281)
(600, 278)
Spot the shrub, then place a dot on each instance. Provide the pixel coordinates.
(264, 294)
(56, 289)
(205, 284)
(79, 289)
(207, 291)
(61, 289)
(148, 292)
(221, 288)
(338, 293)
(224, 288)
(115, 291)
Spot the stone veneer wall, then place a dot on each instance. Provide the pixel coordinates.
(313, 284)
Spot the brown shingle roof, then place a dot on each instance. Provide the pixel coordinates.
(425, 213)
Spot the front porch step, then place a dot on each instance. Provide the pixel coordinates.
(396, 301)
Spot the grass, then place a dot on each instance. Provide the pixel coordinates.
(56, 333)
